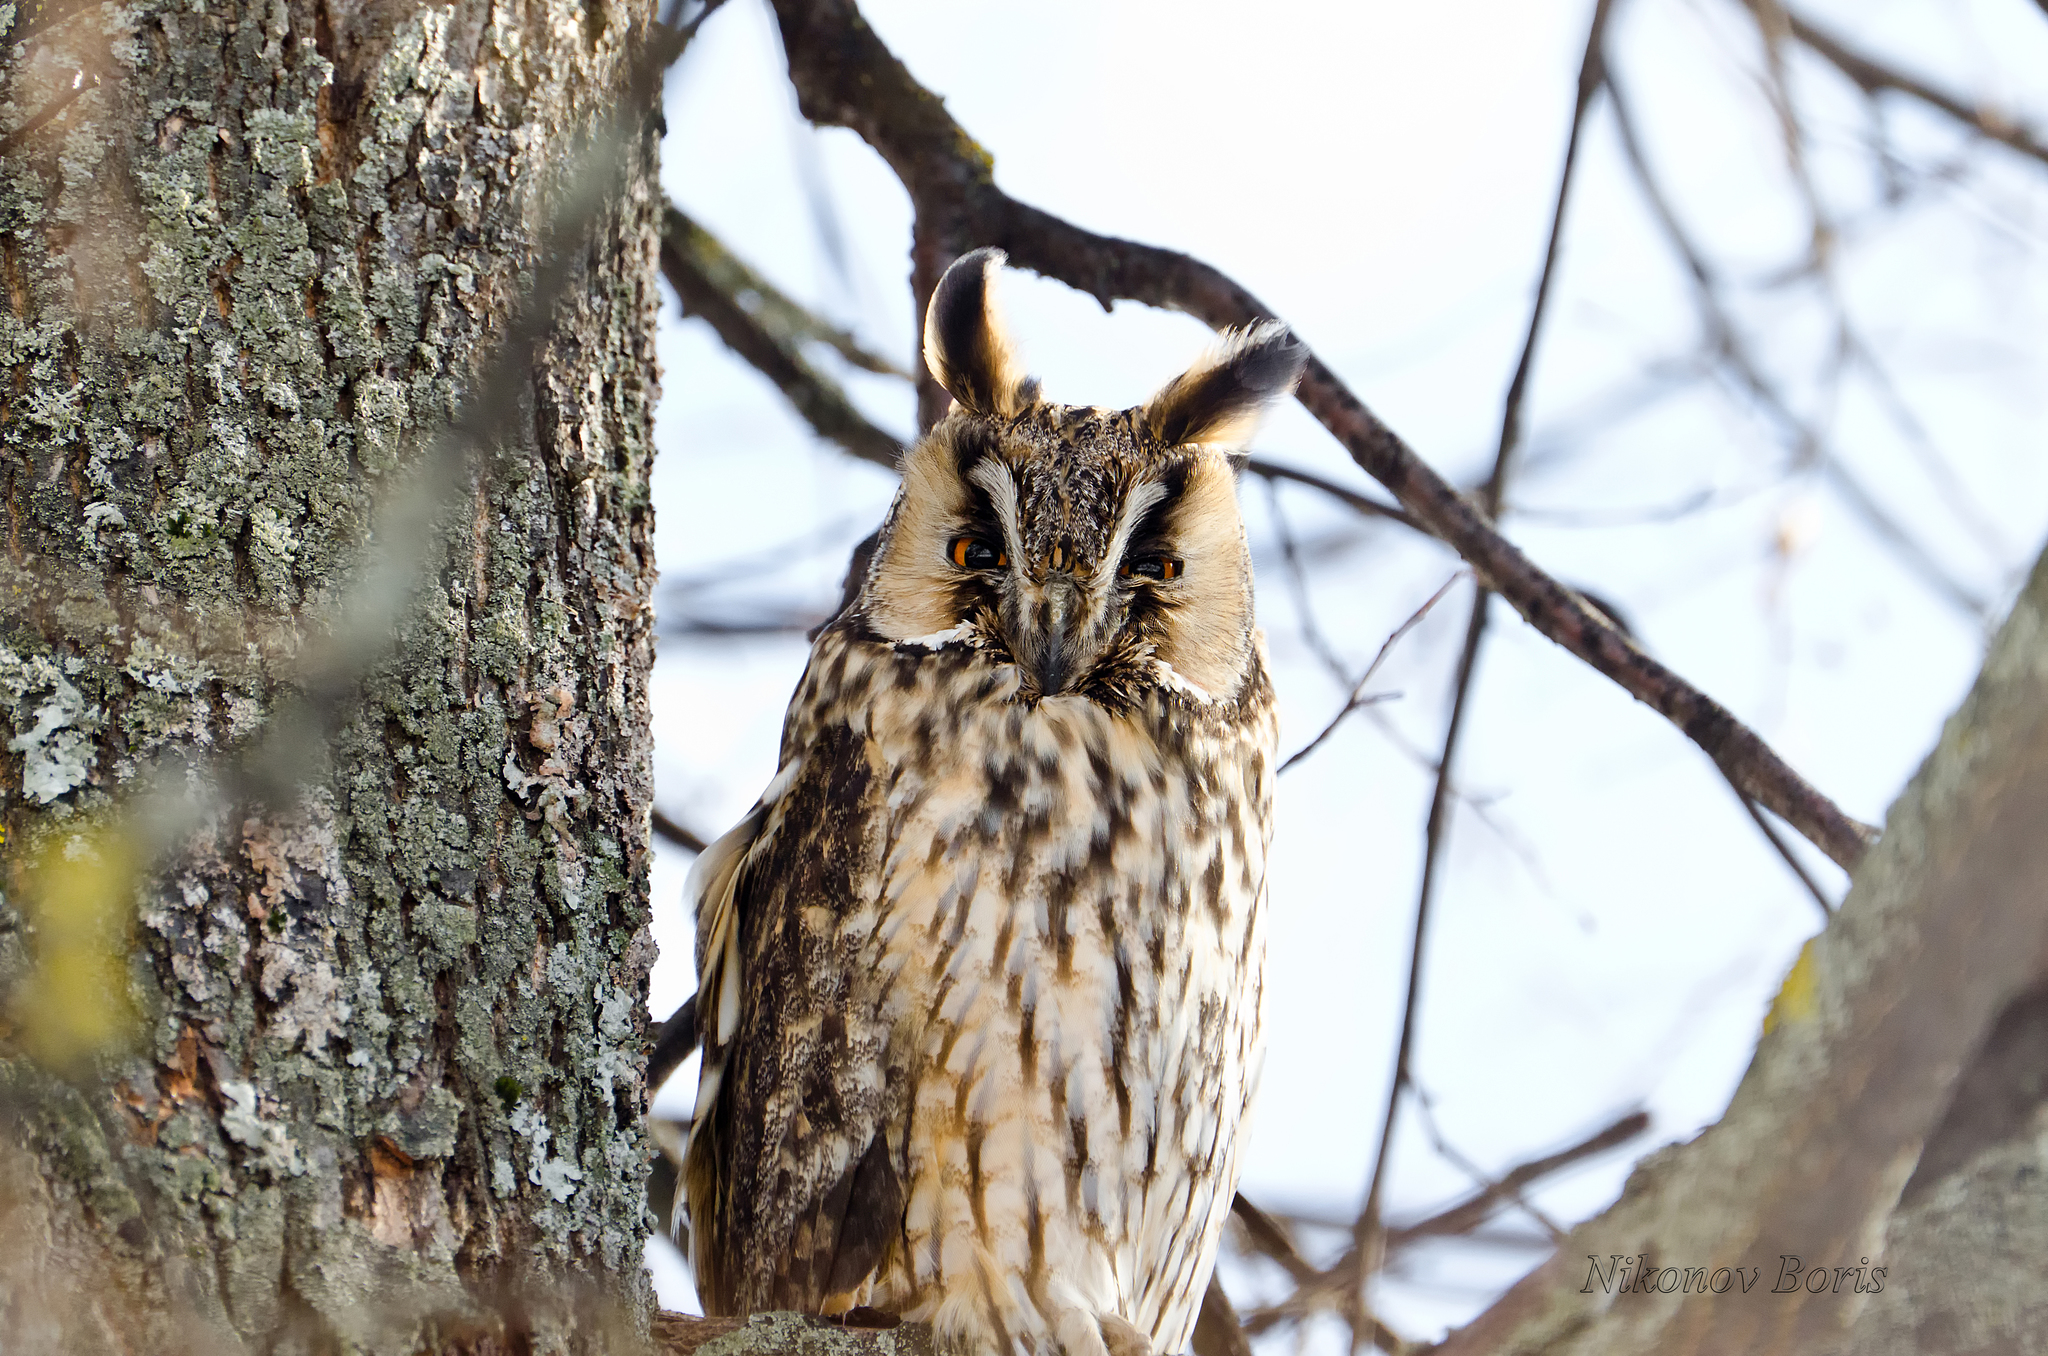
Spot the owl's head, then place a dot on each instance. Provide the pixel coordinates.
(1090, 547)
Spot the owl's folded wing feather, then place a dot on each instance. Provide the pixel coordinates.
(795, 1198)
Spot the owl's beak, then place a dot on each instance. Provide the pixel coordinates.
(1051, 640)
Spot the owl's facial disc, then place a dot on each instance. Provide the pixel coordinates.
(1067, 544)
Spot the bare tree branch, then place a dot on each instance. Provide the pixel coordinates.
(1297, 579)
(1504, 1192)
(789, 321)
(1367, 1242)
(1873, 77)
(1477, 1208)
(683, 32)
(1318, 1290)
(769, 335)
(1784, 850)
(1269, 1238)
(1217, 1330)
(766, 328)
(1728, 345)
(1272, 470)
(1358, 697)
(844, 76)
(667, 829)
(1367, 1239)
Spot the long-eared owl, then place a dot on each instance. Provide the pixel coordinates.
(980, 975)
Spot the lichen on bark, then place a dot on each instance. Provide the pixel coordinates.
(385, 1092)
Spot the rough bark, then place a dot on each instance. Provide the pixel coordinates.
(785, 1334)
(1889, 1134)
(382, 1091)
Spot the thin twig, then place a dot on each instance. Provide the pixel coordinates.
(1466, 1214)
(1696, 502)
(1501, 1190)
(1920, 443)
(1271, 470)
(1791, 858)
(1297, 578)
(1269, 1238)
(667, 829)
(844, 76)
(1775, 28)
(1316, 1291)
(1367, 1234)
(792, 323)
(750, 568)
(1475, 1209)
(1367, 1242)
(1358, 699)
(1873, 77)
(1592, 76)
(1728, 345)
(681, 33)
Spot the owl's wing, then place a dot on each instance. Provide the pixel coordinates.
(794, 1195)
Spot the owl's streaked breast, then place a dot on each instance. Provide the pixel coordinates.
(1065, 927)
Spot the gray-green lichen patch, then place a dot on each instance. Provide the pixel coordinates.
(52, 721)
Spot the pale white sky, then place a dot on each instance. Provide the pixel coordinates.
(1611, 925)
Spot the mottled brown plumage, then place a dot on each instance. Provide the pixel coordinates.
(980, 974)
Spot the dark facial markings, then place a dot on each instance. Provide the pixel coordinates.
(976, 547)
(1074, 470)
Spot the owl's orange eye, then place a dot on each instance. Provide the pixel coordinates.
(1153, 567)
(972, 553)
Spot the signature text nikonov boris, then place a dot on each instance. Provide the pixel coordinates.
(1625, 1275)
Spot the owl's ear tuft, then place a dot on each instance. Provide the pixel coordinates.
(1218, 401)
(966, 346)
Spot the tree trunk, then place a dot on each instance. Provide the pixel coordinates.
(381, 1087)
